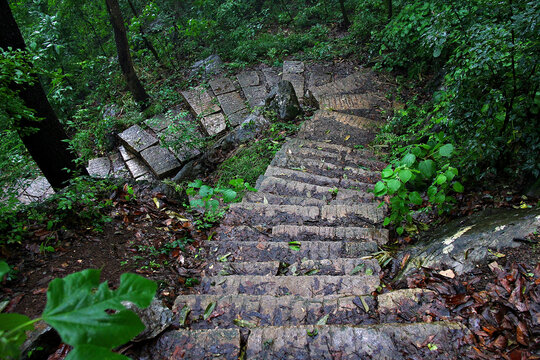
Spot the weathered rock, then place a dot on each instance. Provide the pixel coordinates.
(210, 66)
(271, 76)
(136, 139)
(282, 99)
(126, 154)
(464, 244)
(40, 343)
(161, 161)
(234, 107)
(392, 300)
(201, 101)
(99, 167)
(38, 190)
(156, 319)
(248, 79)
(348, 101)
(293, 71)
(221, 85)
(119, 169)
(137, 168)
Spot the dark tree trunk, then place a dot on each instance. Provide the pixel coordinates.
(389, 9)
(47, 145)
(147, 42)
(345, 23)
(124, 57)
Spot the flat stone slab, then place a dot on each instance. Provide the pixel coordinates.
(119, 169)
(37, 190)
(305, 286)
(349, 102)
(221, 85)
(201, 101)
(214, 124)
(159, 123)
(255, 95)
(271, 77)
(231, 103)
(293, 67)
(125, 153)
(137, 168)
(99, 167)
(136, 139)
(293, 71)
(385, 341)
(248, 78)
(195, 344)
(161, 161)
(394, 299)
(238, 117)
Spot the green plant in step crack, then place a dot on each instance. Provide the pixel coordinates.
(88, 315)
(423, 169)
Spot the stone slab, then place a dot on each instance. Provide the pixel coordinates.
(221, 85)
(231, 103)
(158, 123)
(201, 101)
(214, 124)
(271, 77)
(238, 117)
(136, 167)
(125, 153)
(161, 161)
(248, 78)
(255, 95)
(146, 177)
(136, 139)
(99, 167)
(293, 67)
(119, 169)
(297, 81)
(37, 190)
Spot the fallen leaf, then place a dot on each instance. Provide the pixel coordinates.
(448, 273)
(347, 137)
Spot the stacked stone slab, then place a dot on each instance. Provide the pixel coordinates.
(287, 277)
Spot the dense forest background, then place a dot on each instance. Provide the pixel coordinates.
(467, 74)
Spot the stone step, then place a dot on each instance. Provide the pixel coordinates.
(305, 286)
(253, 87)
(306, 177)
(264, 310)
(286, 233)
(161, 161)
(327, 169)
(336, 215)
(135, 139)
(286, 188)
(261, 197)
(355, 83)
(335, 267)
(384, 341)
(349, 101)
(224, 344)
(289, 252)
(329, 147)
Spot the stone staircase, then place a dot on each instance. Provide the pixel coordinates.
(288, 275)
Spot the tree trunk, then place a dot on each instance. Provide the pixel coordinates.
(345, 23)
(147, 42)
(124, 57)
(47, 145)
(389, 9)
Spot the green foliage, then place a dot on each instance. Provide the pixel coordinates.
(87, 315)
(423, 171)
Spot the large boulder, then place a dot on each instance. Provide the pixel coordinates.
(283, 100)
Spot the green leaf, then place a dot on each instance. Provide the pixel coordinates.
(446, 150)
(432, 190)
(441, 179)
(458, 187)
(427, 168)
(206, 191)
(209, 309)
(323, 320)
(386, 221)
(243, 323)
(294, 245)
(449, 174)
(408, 160)
(369, 271)
(393, 186)
(90, 352)
(357, 269)
(196, 184)
(437, 52)
(229, 195)
(78, 307)
(405, 175)
(415, 198)
(184, 313)
(11, 341)
(380, 189)
(197, 203)
(212, 205)
(364, 304)
(399, 230)
(439, 199)
(4, 269)
(387, 172)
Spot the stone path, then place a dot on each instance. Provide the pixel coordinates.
(287, 278)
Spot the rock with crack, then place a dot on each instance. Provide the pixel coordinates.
(283, 100)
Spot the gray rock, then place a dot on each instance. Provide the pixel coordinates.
(99, 167)
(221, 85)
(231, 103)
(156, 318)
(248, 78)
(40, 343)
(207, 67)
(283, 100)
(161, 161)
(464, 244)
(214, 124)
(136, 139)
(201, 101)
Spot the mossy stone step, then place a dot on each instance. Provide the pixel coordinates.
(265, 310)
(349, 101)
(289, 252)
(305, 286)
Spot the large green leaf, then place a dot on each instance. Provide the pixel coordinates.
(408, 160)
(206, 191)
(380, 189)
(446, 150)
(229, 195)
(427, 168)
(11, 341)
(86, 312)
(393, 186)
(415, 198)
(405, 175)
(91, 352)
